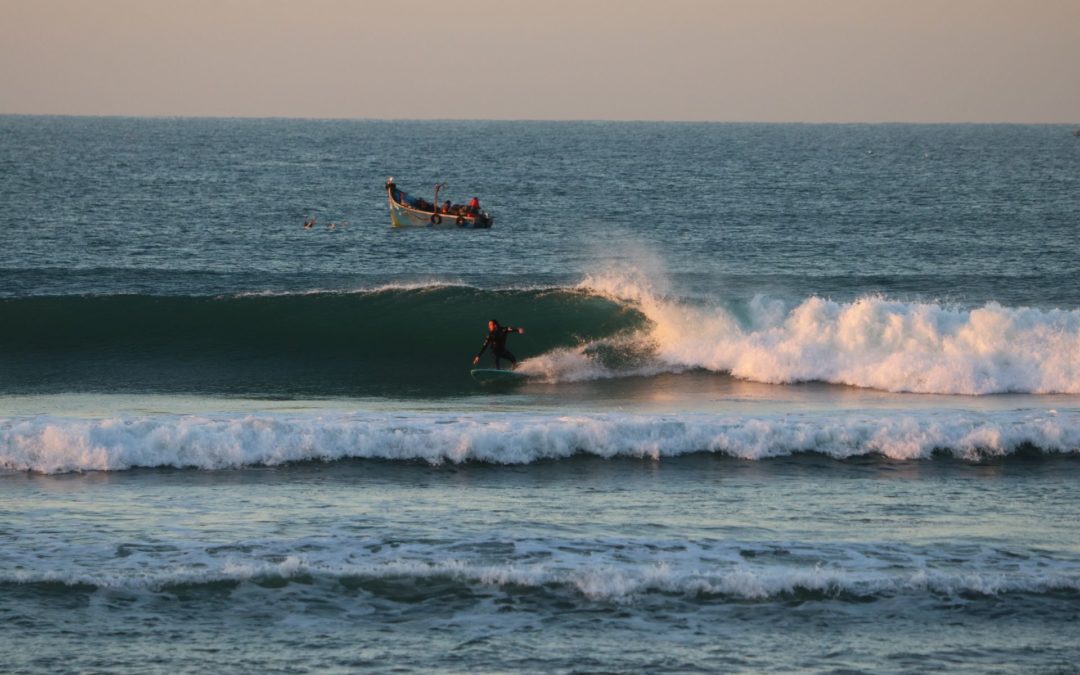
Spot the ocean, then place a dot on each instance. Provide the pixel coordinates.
(799, 398)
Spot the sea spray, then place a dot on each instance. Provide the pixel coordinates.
(872, 341)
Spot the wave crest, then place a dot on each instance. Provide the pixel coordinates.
(59, 445)
(623, 583)
(871, 342)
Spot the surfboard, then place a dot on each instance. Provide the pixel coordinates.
(485, 375)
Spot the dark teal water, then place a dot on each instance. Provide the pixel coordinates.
(800, 397)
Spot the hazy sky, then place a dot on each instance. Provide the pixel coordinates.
(725, 60)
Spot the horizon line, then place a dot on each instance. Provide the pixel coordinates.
(521, 120)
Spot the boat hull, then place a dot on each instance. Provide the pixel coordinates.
(402, 216)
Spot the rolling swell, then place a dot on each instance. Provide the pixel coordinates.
(388, 340)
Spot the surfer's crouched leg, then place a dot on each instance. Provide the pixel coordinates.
(504, 354)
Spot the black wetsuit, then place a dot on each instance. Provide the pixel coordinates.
(497, 340)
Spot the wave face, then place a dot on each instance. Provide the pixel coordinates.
(62, 445)
(419, 340)
(394, 338)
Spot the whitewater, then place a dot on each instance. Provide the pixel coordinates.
(871, 341)
(58, 445)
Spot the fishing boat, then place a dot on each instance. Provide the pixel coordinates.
(409, 211)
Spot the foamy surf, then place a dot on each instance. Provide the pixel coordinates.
(604, 584)
(873, 342)
(58, 445)
(623, 571)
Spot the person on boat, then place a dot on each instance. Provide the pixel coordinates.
(496, 339)
(445, 206)
(474, 206)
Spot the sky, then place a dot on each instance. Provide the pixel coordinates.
(687, 60)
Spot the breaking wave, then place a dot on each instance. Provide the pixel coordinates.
(57, 445)
(628, 573)
(872, 342)
(419, 339)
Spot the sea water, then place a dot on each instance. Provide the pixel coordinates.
(800, 398)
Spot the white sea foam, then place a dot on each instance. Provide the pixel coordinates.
(57, 444)
(419, 285)
(619, 583)
(620, 569)
(871, 342)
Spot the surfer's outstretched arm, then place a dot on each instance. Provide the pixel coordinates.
(483, 348)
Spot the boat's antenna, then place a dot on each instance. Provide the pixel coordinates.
(438, 186)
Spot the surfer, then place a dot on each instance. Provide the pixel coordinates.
(496, 338)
